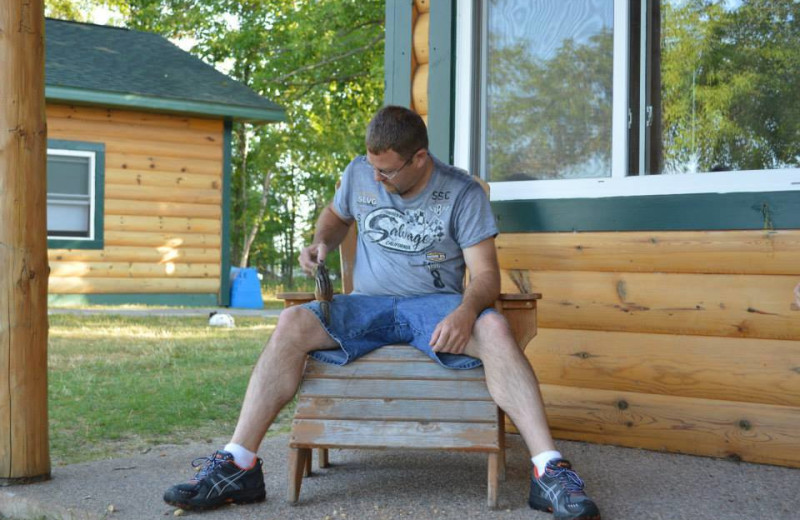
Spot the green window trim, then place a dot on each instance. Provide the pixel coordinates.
(225, 244)
(99, 149)
(691, 212)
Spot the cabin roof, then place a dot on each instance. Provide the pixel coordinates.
(112, 66)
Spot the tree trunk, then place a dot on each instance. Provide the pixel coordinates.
(24, 444)
(262, 208)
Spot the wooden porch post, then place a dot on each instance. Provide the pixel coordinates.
(24, 449)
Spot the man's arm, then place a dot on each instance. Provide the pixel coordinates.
(330, 230)
(453, 333)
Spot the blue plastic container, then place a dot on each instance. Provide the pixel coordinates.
(245, 288)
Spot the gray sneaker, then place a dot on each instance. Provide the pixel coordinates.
(218, 481)
(560, 491)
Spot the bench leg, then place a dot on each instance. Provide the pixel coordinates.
(322, 454)
(494, 466)
(501, 432)
(307, 465)
(297, 464)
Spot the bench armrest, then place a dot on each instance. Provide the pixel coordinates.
(290, 299)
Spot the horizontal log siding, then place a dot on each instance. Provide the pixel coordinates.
(163, 188)
(678, 341)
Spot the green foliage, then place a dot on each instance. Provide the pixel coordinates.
(119, 384)
(551, 118)
(743, 67)
(320, 59)
(80, 10)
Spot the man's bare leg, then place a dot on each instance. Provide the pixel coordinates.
(511, 380)
(272, 384)
(513, 386)
(277, 373)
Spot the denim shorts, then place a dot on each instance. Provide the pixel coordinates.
(361, 324)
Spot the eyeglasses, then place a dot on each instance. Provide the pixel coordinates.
(390, 174)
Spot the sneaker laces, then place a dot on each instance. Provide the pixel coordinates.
(207, 464)
(568, 478)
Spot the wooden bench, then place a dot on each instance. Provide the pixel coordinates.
(398, 398)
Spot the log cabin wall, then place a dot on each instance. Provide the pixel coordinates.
(420, 57)
(163, 204)
(681, 341)
(685, 341)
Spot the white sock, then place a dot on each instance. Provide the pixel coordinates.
(243, 457)
(541, 460)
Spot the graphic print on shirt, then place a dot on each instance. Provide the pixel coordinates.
(410, 231)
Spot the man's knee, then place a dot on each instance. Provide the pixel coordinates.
(493, 333)
(299, 328)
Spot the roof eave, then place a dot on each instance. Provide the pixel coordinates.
(159, 104)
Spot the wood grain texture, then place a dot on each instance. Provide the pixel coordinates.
(174, 240)
(162, 209)
(369, 388)
(420, 38)
(181, 225)
(419, 90)
(745, 431)
(729, 369)
(396, 410)
(750, 306)
(147, 119)
(389, 370)
(156, 255)
(713, 252)
(131, 130)
(163, 194)
(24, 442)
(394, 434)
(206, 152)
(132, 285)
(151, 179)
(142, 160)
(133, 270)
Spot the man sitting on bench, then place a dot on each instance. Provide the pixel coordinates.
(421, 223)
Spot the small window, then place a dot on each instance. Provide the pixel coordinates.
(74, 194)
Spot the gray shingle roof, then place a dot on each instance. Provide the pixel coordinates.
(111, 65)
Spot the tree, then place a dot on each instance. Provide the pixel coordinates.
(730, 77)
(321, 59)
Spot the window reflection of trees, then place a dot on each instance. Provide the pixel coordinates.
(730, 77)
(729, 94)
(550, 118)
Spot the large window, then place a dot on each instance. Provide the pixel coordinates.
(74, 193)
(615, 97)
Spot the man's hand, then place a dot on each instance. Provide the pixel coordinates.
(454, 332)
(311, 256)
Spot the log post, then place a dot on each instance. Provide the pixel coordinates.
(24, 449)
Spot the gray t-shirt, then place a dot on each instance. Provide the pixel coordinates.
(413, 246)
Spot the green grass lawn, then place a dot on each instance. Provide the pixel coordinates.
(121, 384)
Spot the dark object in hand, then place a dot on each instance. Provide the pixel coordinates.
(323, 291)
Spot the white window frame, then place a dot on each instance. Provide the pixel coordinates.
(468, 78)
(92, 156)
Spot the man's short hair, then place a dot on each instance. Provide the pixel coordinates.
(398, 129)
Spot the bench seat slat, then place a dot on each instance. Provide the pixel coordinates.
(396, 410)
(391, 434)
(396, 352)
(395, 389)
(392, 370)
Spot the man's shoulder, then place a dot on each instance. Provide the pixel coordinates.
(454, 174)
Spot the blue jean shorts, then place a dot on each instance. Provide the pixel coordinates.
(361, 324)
